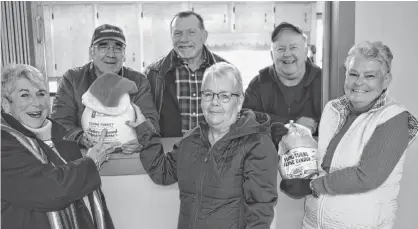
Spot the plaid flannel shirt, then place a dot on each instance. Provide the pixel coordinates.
(188, 86)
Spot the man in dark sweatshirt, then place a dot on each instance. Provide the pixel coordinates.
(290, 89)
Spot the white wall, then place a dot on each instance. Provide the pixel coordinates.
(396, 25)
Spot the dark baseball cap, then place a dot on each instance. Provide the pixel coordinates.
(286, 25)
(107, 31)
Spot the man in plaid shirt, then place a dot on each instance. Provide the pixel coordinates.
(176, 79)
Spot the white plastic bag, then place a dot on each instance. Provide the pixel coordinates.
(298, 153)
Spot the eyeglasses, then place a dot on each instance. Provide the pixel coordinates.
(224, 97)
(106, 48)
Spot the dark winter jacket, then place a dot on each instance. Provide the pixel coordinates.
(30, 189)
(232, 184)
(264, 95)
(68, 109)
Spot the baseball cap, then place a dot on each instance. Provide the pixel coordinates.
(107, 31)
(286, 25)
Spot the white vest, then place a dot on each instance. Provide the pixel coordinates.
(373, 209)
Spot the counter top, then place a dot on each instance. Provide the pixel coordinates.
(122, 164)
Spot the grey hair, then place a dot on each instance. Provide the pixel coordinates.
(13, 72)
(373, 50)
(225, 70)
(185, 14)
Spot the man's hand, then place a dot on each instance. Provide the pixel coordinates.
(84, 141)
(101, 151)
(308, 122)
(139, 117)
(278, 130)
(131, 147)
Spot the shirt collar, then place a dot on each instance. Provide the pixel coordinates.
(177, 61)
(342, 104)
(93, 73)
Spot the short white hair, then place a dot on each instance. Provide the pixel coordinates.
(13, 72)
(222, 70)
(373, 50)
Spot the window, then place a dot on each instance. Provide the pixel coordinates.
(248, 60)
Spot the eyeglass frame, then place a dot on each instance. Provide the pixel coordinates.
(217, 96)
(123, 47)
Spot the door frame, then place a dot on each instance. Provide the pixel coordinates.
(339, 37)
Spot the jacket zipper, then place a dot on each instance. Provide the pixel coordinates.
(321, 211)
(199, 199)
(199, 192)
(323, 198)
(162, 96)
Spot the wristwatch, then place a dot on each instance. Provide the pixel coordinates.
(314, 193)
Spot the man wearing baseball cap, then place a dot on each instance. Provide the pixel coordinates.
(107, 53)
(290, 89)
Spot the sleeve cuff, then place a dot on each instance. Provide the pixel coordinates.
(144, 132)
(144, 127)
(319, 186)
(74, 134)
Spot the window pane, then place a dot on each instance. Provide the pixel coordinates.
(248, 61)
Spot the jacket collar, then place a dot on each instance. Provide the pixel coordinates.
(172, 60)
(58, 131)
(177, 61)
(92, 73)
(341, 105)
(249, 122)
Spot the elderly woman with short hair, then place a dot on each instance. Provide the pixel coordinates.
(362, 139)
(226, 167)
(43, 177)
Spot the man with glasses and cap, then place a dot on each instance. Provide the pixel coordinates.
(290, 89)
(107, 52)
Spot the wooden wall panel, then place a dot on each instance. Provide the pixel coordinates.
(156, 28)
(295, 13)
(215, 15)
(71, 32)
(130, 23)
(254, 17)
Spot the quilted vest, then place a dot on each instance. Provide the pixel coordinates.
(372, 209)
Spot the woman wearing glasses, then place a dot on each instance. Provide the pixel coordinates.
(226, 167)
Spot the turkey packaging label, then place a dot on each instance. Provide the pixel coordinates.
(298, 153)
(93, 122)
(108, 106)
